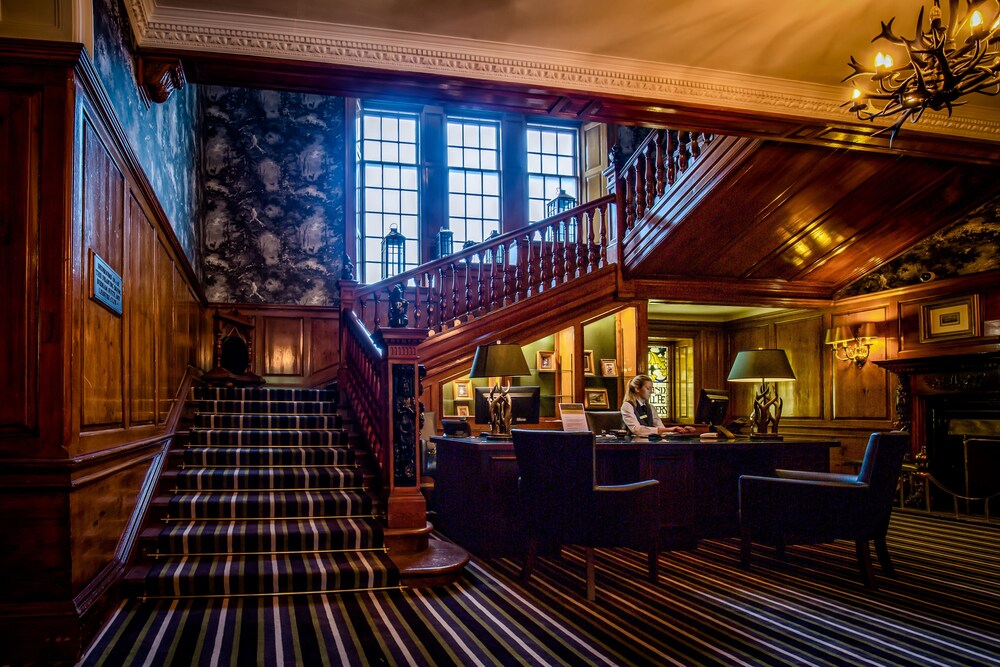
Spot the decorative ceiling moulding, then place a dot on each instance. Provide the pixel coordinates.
(216, 32)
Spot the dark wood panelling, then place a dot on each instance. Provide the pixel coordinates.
(164, 322)
(283, 345)
(861, 393)
(752, 337)
(804, 397)
(325, 348)
(103, 231)
(19, 119)
(797, 215)
(141, 316)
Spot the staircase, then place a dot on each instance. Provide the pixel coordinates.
(267, 499)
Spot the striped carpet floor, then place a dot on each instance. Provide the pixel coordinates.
(808, 609)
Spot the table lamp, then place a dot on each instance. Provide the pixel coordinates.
(763, 366)
(503, 361)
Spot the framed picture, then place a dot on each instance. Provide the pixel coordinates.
(588, 362)
(949, 319)
(462, 389)
(545, 361)
(462, 411)
(609, 368)
(595, 399)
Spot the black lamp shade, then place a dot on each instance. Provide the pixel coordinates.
(761, 366)
(499, 360)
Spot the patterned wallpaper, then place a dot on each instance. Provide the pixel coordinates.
(164, 137)
(273, 223)
(971, 245)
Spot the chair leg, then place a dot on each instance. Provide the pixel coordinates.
(882, 550)
(865, 564)
(591, 592)
(529, 560)
(745, 547)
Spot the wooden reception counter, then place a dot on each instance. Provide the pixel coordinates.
(475, 488)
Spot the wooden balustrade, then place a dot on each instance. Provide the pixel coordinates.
(497, 272)
(645, 177)
(365, 384)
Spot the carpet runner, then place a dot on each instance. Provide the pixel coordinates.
(806, 609)
(268, 500)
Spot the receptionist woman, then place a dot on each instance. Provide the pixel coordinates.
(639, 416)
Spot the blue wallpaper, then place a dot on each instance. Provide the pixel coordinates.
(273, 223)
(164, 137)
(971, 245)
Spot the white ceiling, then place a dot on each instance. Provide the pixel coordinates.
(778, 56)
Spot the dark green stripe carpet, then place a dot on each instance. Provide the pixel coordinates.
(809, 609)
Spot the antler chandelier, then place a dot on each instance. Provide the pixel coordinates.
(943, 63)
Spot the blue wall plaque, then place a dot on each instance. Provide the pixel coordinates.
(105, 284)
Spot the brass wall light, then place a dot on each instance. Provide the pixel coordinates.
(851, 345)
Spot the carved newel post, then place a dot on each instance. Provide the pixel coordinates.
(406, 507)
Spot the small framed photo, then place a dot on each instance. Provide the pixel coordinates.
(545, 361)
(609, 368)
(949, 319)
(462, 389)
(595, 399)
(462, 411)
(588, 362)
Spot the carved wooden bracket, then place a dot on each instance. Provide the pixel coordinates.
(160, 76)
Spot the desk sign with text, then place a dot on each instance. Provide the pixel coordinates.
(105, 284)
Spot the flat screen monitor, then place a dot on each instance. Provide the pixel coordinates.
(524, 405)
(713, 404)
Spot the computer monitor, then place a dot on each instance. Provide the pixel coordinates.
(713, 404)
(525, 404)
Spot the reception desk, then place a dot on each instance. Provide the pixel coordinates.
(475, 488)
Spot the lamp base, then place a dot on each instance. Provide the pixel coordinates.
(766, 436)
(495, 436)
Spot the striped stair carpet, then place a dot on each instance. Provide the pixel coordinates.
(808, 609)
(268, 499)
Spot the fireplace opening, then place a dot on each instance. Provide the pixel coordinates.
(963, 449)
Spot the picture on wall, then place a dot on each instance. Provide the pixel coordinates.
(588, 362)
(462, 411)
(545, 361)
(949, 319)
(462, 389)
(609, 368)
(596, 399)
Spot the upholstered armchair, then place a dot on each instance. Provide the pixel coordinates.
(563, 504)
(797, 507)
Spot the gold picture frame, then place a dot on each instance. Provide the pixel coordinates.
(545, 361)
(462, 390)
(588, 362)
(949, 319)
(609, 368)
(596, 399)
(462, 411)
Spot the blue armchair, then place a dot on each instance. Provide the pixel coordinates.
(797, 507)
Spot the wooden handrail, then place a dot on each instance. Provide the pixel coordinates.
(365, 383)
(498, 271)
(646, 176)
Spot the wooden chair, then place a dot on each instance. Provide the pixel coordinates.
(796, 507)
(563, 504)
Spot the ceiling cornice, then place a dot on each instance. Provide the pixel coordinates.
(217, 32)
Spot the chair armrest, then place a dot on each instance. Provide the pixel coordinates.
(817, 476)
(627, 488)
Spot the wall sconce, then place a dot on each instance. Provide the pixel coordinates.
(850, 346)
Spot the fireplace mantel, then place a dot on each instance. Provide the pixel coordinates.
(975, 373)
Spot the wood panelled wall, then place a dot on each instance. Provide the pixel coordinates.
(294, 345)
(837, 398)
(89, 395)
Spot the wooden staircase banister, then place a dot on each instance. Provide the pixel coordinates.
(497, 272)
(364, 381)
